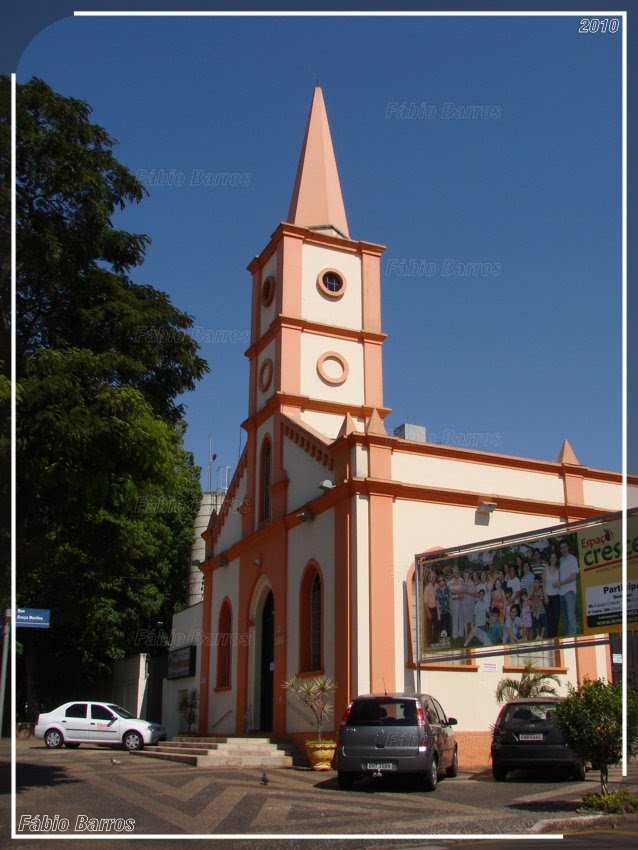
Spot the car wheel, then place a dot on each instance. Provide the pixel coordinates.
(431, 777)
(133, 741)
(71, 746)
(53, 739)
(453, 769)
(345, 780)
(579, 771)
(499, 773)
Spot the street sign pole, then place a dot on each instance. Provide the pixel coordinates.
(6, 634)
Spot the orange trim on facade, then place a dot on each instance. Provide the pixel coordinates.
(586, 663)
(343, 604)
(371, 292)
(310, 327)
(382, 633)
(204, 664)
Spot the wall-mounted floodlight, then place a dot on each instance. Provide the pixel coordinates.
(327, 484)
(222, 562)
(486, 507)
(306, 516)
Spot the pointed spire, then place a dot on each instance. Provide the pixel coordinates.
(349, 426)
(567, 454)
(316, 198)
(375, 424)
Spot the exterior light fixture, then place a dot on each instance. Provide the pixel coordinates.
(306, 516)
(327, 484)
(485, 507)
(222, 562)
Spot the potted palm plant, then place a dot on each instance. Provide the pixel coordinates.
(315, 694)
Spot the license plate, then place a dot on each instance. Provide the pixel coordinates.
(381, 765)
(531, 736)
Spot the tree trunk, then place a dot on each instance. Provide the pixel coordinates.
(603, 779)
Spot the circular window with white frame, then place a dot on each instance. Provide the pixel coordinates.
(331, 283)
(333, 368)
(265, 374)
(268, 290)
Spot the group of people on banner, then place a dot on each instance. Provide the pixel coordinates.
(523, 599)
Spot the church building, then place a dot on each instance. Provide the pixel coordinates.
(309, 563)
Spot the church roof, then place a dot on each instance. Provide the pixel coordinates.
(316, 197)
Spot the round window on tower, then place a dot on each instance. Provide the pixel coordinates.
(331, 283)
(268, 291)
(332, 368)
(265, 375)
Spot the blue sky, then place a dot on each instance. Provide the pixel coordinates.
(525, 352)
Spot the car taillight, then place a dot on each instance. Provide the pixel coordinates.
(344, 720)
(499, 720)
(420, 717)
(346, 713)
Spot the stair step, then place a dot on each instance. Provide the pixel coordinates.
(221, 751)
(184, 758)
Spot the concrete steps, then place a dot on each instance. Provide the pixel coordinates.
(219, 752)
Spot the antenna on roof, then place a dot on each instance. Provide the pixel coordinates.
(385, 690)
(212, 457)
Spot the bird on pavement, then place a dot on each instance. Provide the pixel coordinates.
(115, 761)
(264, 779)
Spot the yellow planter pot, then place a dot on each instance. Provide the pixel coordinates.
(320, 754)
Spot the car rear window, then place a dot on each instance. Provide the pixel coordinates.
(532, 711)
(398, 712)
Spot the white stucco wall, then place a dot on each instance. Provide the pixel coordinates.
(309, 541)
(607, 494)
(186, 630)
(231, 530)
(344, 312)
(328, 424)
(267, 354)
(222, 704)
(483, 478)
(360, 611)
(269, 313)
(312, 347)
(419, 526)
(304, 474)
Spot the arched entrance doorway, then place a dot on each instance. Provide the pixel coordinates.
(266, 662)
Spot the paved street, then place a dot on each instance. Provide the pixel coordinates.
(159, 798)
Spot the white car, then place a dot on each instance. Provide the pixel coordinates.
(76, 723)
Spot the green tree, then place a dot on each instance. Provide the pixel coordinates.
(532, 683)
(591, 718)
(106, 492)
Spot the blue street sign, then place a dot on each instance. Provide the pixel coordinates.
(33, 618)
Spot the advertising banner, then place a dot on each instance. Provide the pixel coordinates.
(564, 583)
(600, 553)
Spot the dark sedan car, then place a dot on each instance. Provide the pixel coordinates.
(526, 735)
(393, 734)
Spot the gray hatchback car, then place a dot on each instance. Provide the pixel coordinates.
(390, 734)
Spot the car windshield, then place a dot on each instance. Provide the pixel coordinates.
(121, 711)
(398, 712)
(531, 711)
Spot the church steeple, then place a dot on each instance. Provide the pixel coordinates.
(316, 200)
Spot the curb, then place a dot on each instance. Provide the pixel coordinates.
(574, 823)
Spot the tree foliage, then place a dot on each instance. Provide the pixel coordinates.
(531, 684)
(106, 492)
(315, 693)
(591, 718)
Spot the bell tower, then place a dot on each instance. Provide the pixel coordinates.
(316, 337)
